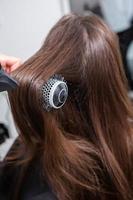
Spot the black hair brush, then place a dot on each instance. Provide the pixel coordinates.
(6, 82)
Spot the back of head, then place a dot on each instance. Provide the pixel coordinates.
(85, 147)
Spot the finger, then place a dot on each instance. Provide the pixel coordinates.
(3, 64)
(11, 61)
(11, 65)
(15, 66)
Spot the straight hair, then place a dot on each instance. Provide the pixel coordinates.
(85, 148)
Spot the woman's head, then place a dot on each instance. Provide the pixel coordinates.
(92, 127)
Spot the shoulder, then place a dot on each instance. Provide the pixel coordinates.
(34, 185)
(44, 196)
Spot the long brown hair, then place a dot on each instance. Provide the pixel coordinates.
(85, 148)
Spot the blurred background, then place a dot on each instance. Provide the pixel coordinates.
(24, 25)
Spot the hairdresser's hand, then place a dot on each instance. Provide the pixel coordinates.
(9, 63)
